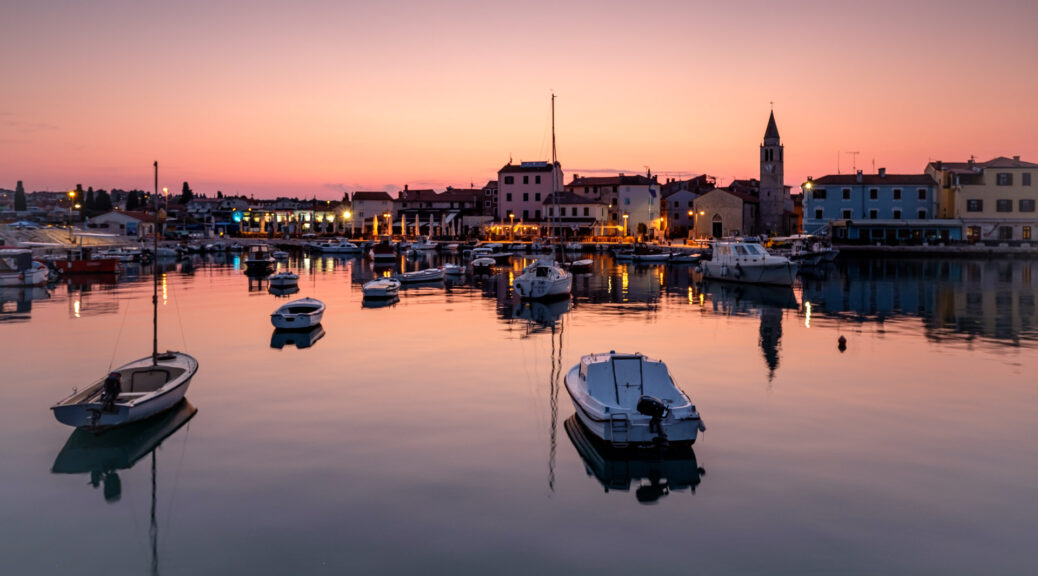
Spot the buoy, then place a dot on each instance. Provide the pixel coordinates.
(841, 343)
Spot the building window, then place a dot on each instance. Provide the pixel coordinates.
(873, 194)
(536, 179)
(975, 205)
(897, 193)
(675, 203)
(973, 233)
(922, 193)
(1005, 232)
(551, 211)
(526, 214)
(922, 214)
(819, 194)
(508, 197)
(897, 214)
(526, 196)
(1004, 205)
(818, 213)
(1026, 233)
(526, 179)
(587, 212)
(537, 196)
(509, 180)
(1025, 179)
(1027, 204)
(846, 193)
(846, 214)
(873, 214)
(536, 214)
(1004, 179)
(627, 201)
(690, 203)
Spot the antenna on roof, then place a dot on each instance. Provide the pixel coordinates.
(854, 159)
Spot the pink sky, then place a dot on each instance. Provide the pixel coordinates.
(277, 98)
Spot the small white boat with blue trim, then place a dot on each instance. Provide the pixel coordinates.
(631, 400)
(381, 288)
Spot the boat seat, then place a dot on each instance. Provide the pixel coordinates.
(148, 380)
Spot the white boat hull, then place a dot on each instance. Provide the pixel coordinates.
(379, 289)
(29, 277)
(540, 288)
(283, 280)
(83, 409)
(301, 314)
(782, 274)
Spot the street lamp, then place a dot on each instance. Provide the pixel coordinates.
(511, 224)
(347, 215)
(625, 225)
(71, 201)
(695, 221)
(389, 227)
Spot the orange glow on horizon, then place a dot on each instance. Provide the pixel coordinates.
(458, 91)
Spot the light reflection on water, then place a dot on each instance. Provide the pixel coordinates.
(433, 432)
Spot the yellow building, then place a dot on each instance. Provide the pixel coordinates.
(995, 199)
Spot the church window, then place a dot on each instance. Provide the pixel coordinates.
(846, 193)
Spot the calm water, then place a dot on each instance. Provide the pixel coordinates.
(434, 436)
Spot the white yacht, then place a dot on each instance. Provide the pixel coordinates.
(631, 399)
(341, 246)
(543, 279)
(741, 261)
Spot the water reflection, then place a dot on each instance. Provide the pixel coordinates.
(298, 338)
(654, 473)
(103, 455)
(16, 302)
(956, 299)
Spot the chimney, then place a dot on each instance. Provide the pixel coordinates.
(860, 178)
(971, 162)
(940, 165)
(1017, 157)
(882, 172)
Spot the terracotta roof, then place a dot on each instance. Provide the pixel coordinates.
(142, 216)
(968, 167)
(619, 179)
(526, 167)
(371, 196)
(567, 198)
(875, 180)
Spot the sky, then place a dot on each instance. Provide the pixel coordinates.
(316, 98)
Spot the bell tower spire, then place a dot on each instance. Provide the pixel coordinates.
(773, 193)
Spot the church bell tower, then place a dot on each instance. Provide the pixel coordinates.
(772, 182)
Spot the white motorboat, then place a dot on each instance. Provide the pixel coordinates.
(631, 400)
(543, 279)
(453, 270)
(424, 244)
(166, 252)
(427, 275)
(340, 247)
(492, 251)
(149, 385)
(284, 279)
(280, 255)
(381, 288)
(17, 268)
(259, 259)
(483, 264)
(301, 314)
(740, 261)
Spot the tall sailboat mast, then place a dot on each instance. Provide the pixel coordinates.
(155, 276)
(554, 173)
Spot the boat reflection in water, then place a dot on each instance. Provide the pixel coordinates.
(103, 455)
(298, 338)
(379, 302)
(542, 313)
(655, 472)
(768, 301)
(16, 302)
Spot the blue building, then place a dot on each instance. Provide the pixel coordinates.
(871, 208)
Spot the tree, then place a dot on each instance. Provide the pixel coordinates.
(133, 201)
(219, 194)
(88, 202)
(186, 195)
(102, 201)
(20, 205)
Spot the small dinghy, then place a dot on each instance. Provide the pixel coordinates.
(483, 265)
(581, 266)
(631, 400)
(427, 275)
(299, 314)
(381, 288)
(453, 270)
(284, 280)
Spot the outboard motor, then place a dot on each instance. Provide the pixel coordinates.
(655, 409)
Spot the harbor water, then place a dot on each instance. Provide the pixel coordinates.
(433, 434)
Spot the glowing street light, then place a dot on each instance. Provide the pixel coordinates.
(71, 201)
(625, 225)
(511, 219)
